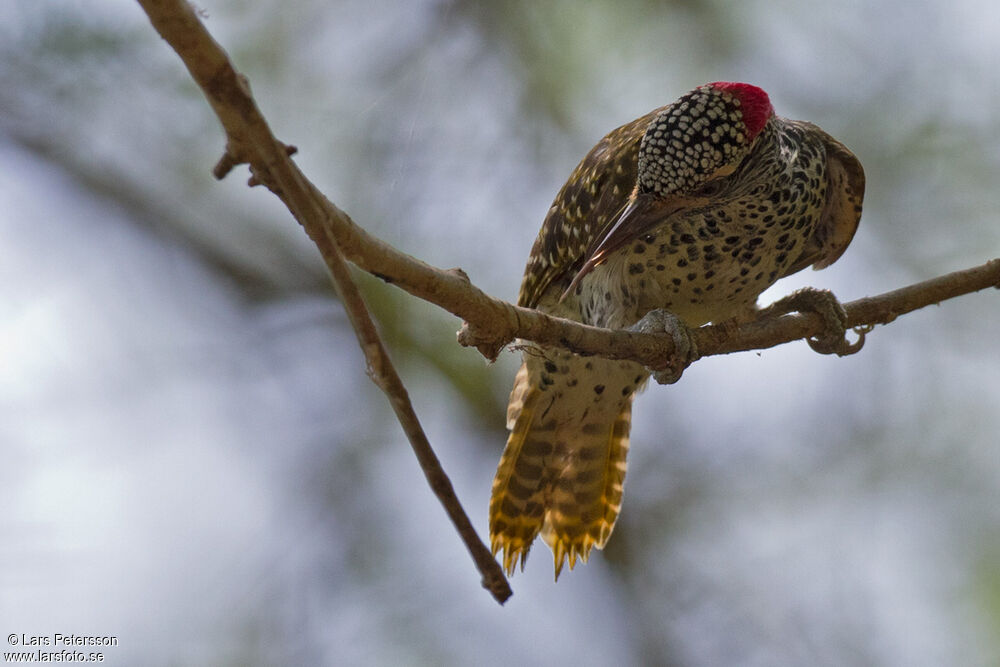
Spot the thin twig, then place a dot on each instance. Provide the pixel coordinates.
(862, 314)
(383, 373)
(250, 140)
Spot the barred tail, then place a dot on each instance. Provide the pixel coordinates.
(562, 472)
(587, 494)
(517, 503)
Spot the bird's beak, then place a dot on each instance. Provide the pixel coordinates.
(642, 213)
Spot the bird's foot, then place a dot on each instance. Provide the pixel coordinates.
(685, 351)
(825, 304)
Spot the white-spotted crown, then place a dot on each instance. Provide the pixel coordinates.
(705, 131)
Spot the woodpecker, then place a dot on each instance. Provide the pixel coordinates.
(693, 209)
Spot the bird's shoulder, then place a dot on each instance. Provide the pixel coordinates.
(841, 210)
(596, 190)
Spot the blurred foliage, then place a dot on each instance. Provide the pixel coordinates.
(781, 508)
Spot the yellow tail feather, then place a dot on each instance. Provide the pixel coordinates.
(561, 473)
(517, 505)
(587, 496)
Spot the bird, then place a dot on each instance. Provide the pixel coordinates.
(690, 212)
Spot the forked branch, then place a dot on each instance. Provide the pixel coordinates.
(249, 140)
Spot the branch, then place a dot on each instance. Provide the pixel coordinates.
(862, 314)
(490, 324)
(250, 140)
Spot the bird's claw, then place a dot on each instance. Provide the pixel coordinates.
(825, 304)
(685, 351)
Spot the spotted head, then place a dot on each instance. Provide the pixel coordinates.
(703, 135)
(686, 151)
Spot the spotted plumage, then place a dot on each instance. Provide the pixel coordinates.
(696, 207)
(686, 141)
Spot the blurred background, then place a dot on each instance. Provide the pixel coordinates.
(195, 462)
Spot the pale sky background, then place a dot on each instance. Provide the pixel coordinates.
(195, 462)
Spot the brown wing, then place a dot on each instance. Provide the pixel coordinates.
(596, 190)
(842, 210)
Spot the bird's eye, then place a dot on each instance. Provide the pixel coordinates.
(710, 188)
